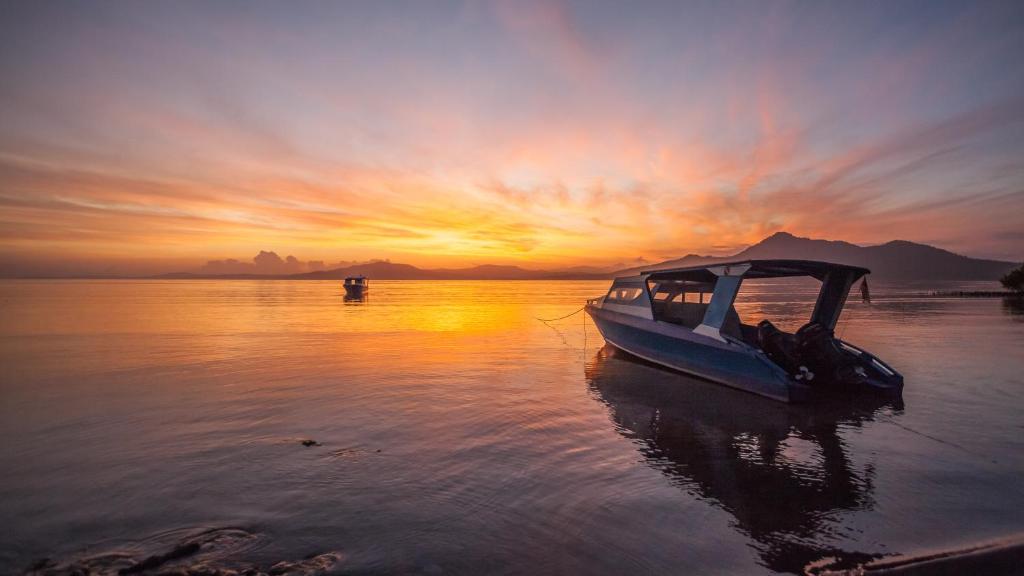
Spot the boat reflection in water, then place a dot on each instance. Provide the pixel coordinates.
(355, 299)
(781, 470)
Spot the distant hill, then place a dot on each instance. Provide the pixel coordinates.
(895, 260)
(375, 270)
(394, 271)
(390, 271)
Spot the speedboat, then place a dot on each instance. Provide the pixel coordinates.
(356, 286)
(664, 317)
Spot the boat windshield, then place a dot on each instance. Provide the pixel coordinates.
(624, 294)
(628, 292)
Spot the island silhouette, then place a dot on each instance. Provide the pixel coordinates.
(894, 260)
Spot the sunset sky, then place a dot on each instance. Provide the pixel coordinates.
(147, 137)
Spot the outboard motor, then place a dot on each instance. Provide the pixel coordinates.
(778, 345)
(814, 355)
(818, 350)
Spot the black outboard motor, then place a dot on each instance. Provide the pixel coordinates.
(818, 349)
(780, 346)
(813, 355)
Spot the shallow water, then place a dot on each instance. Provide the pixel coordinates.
(459, 435)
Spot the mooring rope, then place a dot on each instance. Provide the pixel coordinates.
(547, 321)
(890, 419)
(561, 317)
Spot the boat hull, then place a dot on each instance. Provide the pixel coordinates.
(355, 290)
(679, 348)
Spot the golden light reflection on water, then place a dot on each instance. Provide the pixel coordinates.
(403, 324)
(219, 307)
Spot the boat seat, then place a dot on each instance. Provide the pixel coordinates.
(687, 314)
(691, 314)
(694, 315)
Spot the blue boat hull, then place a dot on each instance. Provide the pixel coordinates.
(679, 348)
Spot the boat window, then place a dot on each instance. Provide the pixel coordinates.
(623, 294)
(681, 290)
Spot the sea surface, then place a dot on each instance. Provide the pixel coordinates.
(454, 433)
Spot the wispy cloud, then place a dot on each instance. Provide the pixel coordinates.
(543, 132)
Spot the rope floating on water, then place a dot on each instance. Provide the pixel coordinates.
(890, 420)
(547, 321)
(561, 317)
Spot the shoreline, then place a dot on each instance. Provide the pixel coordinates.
(994, 557)
(975, 294)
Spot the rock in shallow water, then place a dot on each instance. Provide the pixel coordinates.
(182, 550)
(216, 552)
(319, 564)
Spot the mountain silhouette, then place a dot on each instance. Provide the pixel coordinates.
(390, 271)
(895, 260)
(396, 271)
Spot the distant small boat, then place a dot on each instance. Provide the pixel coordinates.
(661, 316)
(356, 286)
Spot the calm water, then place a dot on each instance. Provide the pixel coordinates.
(459, 435)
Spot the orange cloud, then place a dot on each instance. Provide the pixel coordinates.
(546, 134)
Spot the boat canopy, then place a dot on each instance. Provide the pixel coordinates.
(724, 280)
(757, 269)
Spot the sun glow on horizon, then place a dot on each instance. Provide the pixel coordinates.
(152, 138)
